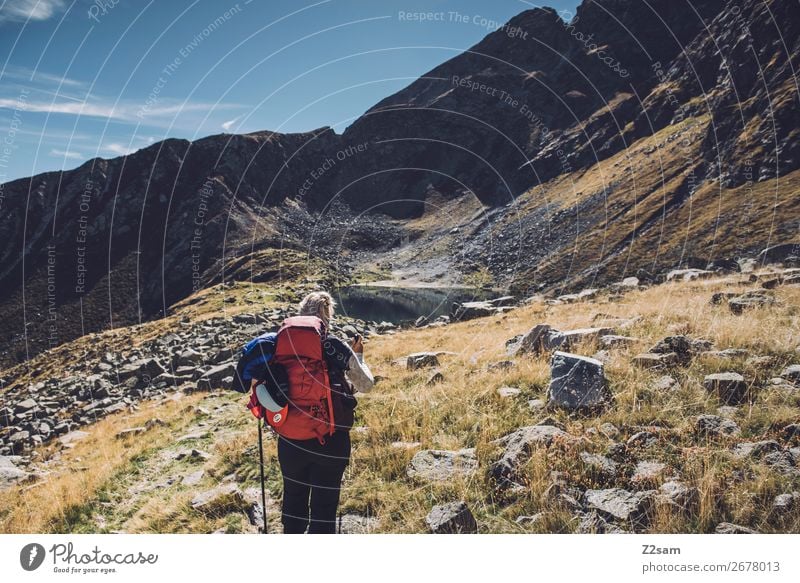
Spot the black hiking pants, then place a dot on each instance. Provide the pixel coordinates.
(312, 477)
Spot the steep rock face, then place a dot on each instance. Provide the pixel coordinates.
(115, 241)
(617, 137)
(538, 98)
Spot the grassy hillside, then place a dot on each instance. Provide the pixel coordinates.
(137, 484)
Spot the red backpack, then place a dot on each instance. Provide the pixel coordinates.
(310, 412)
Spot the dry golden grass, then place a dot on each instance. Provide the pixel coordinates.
(465, 411)
(54, 502)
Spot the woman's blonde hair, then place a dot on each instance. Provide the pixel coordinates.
(318, 304)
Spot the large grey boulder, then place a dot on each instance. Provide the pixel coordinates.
(451, 518)
(729, 387)
(633, 508)
(577, 383)
(437, 465)
(518, 447)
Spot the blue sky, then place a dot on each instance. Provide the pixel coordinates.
(86, 78)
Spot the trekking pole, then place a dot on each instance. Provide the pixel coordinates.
(261, 467)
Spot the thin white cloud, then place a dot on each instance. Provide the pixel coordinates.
(118, 149)
(29, 75)
(25, 10)
(124, 111)
(229, 124)
(66, 154)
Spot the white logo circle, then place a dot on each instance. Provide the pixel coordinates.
(277, 418)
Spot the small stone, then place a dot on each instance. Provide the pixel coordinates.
(421, 360)
(529, 520)
(601, 467)
(193, 435)
(508, 392)
(193, 479)
(609, 430)
(72, 437)
(405, 444)
(730, 528)
(441, 465)
(664, 383)
(713, 425)
(356, 524)
(518, 447)
(25, 406)
(536, 404)
(619, 504)
(220, 500)
(502, 365)
(643, 439)
(435, 377)
(679, 495)
(132, 431)
(729, 387)
(451, 518)
(648, 472)
(652, 361)
(792, 373)
(616, 341)
(9, 473)
(784, 503)
(757, 449)
(740, 304)
(791, 432)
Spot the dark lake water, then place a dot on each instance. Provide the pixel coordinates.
(400, 305)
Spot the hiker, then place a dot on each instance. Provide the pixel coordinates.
(306, 395)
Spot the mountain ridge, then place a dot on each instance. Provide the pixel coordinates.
(551, 111)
